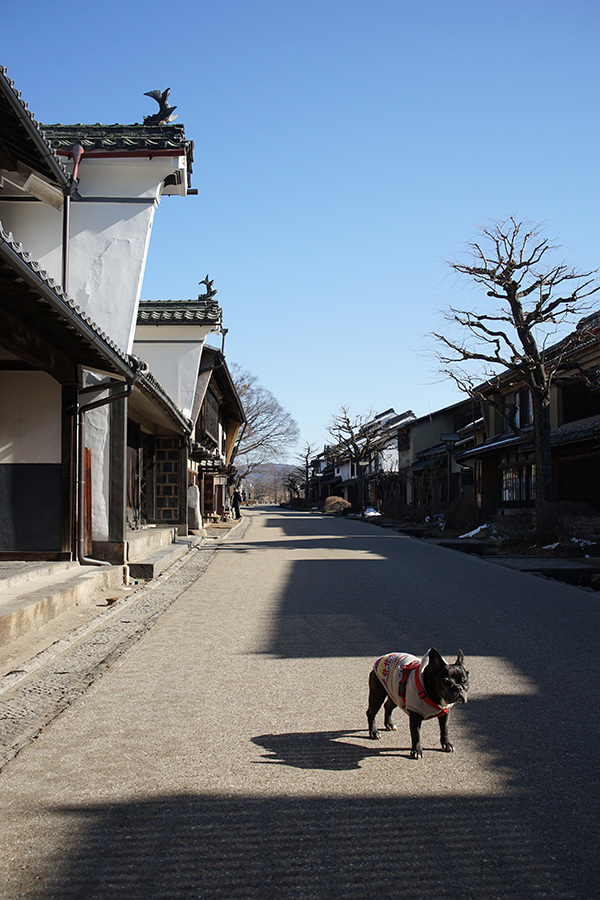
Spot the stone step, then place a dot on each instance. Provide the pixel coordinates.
(14, 573)
(155, 563)
(137, 544)
(146, 541)
(30, 603)
(33, 593)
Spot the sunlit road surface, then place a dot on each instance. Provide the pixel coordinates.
(225, 755)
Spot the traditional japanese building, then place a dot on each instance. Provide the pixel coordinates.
(82, 419)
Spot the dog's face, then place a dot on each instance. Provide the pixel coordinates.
(451, 681)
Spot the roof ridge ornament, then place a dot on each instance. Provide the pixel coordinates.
(165, 112)
(210, 291)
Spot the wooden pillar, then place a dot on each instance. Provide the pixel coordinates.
(182, 522)
(68, 469)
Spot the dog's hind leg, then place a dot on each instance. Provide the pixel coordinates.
(377, 694)
(389, 708)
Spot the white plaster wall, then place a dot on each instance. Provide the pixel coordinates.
(173, 354)
(107, 256)
(345, 470)
(187, 373)
(122, 177)
(38, 228)
(175, 334)
(30, 418)
(109, 241)
(175, 367)
(389, 459)
(108, 252)
(96, 438)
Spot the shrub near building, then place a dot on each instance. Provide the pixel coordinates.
(337, 506)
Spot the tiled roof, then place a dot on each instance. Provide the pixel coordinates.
(119, 137)
(23, 137)
(180, 312)
(587, 332)
(564, 434)
(577, 431)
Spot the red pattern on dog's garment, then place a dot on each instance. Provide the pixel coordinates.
(390, 668)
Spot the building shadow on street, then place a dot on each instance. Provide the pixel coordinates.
(221, 848)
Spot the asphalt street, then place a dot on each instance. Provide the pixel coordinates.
(225, 754)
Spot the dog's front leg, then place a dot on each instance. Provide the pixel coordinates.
(447, 744)
(415, 735)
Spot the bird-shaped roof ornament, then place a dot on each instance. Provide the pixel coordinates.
(164, 114)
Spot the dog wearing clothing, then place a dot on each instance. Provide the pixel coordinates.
(424, 687)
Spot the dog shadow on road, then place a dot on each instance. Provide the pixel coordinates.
(323, 749)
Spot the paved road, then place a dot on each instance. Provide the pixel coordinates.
(225, 755)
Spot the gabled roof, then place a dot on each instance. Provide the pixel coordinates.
(585, 334)
(180, 312)
(576, 431)
(23, 140)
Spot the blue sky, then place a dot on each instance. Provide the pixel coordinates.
(344, 152)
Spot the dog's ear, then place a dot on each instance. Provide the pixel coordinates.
(460, 659)
(436, 661)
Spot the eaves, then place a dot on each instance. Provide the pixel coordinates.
(102, 141)
(490, 447)
(25, 137)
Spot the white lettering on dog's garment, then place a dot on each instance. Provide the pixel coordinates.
(401, 674)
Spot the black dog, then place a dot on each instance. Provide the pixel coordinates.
(424, 688)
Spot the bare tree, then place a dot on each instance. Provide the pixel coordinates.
(269, 430)
(534, 300)
(355, 436)
(348, 433)
(303, 471)
(293, 484)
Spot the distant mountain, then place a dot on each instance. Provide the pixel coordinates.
(268, 471)
(267, 482)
